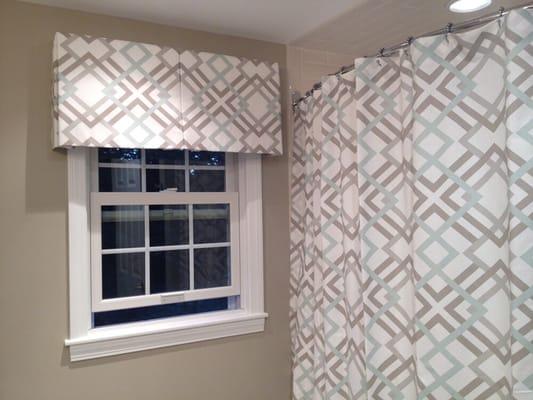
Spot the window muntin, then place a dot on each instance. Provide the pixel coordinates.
(177, 244)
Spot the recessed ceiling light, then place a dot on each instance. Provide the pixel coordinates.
(466, 6)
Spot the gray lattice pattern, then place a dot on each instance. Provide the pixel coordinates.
(113, 93)
(412, 223)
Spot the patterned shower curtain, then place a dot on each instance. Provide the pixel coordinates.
(412, 223)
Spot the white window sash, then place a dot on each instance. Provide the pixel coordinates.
(162, 198)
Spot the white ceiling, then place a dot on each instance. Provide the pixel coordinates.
(374, 24)
(279, 21)
(351, 27)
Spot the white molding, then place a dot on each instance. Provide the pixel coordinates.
(86, 342)
(102, 342)
(79, 241)
(251, 209)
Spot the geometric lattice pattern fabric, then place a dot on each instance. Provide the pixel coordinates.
(114, 93)
(412, 223)
(229, 103)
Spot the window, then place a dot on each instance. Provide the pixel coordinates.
(155, 239)
(164, 229)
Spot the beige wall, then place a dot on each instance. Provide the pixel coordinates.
(33, 247)
(306, 66)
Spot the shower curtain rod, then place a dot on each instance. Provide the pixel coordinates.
(449, 28)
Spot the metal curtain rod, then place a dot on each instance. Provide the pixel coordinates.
(449, 28)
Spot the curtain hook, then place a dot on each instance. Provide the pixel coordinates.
(449, 29)
(501, 11)
(380, 55)
(410, 41)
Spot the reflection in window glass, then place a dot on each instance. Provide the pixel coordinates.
(122, 227)
(119, 179)
(211, 267)
(169, 225)
(130, 156)
(122, 275)
(165, 157)
(211, 158)
(169, 271)
(165, 179)
(211, 223)
(207, 180)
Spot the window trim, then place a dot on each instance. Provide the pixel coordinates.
(86, 342)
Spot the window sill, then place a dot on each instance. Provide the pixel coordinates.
(127, 338)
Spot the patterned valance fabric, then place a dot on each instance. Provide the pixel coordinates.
(115, 93)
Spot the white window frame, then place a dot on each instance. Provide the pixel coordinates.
(86, 342)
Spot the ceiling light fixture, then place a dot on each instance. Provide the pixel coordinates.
(466, 6)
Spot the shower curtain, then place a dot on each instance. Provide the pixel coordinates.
(411, 223)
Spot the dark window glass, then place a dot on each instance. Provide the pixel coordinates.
(211, 158)
(169, 271)
(165, 157)
(162, 311)
(211, 223)
(119, 179)
(122, 227)
(211, 267)
(207, 180)
(130, 156)
(165, 179)
(122, 275)
(169, 225)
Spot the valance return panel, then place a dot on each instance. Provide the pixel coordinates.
(115, 93)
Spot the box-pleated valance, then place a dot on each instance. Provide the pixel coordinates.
(115, 93)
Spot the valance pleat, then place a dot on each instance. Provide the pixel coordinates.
(115, 93)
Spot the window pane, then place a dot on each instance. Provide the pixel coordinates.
(211, 223)
(166, 157)
(162, 311)
(119, 179)
(211, 267)
(165, 179)
(207, 158)
(169, 225)
(169, 271)
(122, 275)
(122, 227)
(129, 156)
(207, 180)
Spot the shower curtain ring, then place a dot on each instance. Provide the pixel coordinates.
(410, 41)
(380, 55)
(449, 29)
(501, 11)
